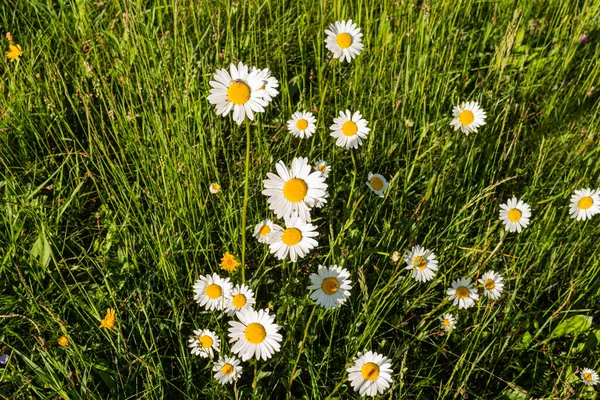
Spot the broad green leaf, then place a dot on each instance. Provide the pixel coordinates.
(572, 325)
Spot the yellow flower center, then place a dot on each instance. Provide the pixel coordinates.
(291, 236)
(349, 128)
(330, 285)
(206, 341)
(514, 215)
(420, 262)
(295, 190)
(255, 333)
(239, 300)
(587, 376)
(466, 117)
(585, 203)
(462, 292)
(238, 92)
(322, 168)
(213, 291)
(302, 124)
(344, 40)
(490, 284)
(446, 322)
(370, 371)
(376, 183)
(227, 369)
(264, 230)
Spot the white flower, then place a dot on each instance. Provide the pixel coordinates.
(269, 83)
(331, 286)
(589, 377)
(214, 188)
(294, 191)
(377, 184)
(296, 239)
(255, 335)
(227, 369)
(323, 167)
(241, 297)
(349, 129)
(302, 125)
(515, 215)
(463, 293)
(422, 262)
(204, 342)
(468, 117)
(212, 291)
(585, 203)
(371, 373)
(448, 322)
(344, 40)
(492, 284)
(263, 231)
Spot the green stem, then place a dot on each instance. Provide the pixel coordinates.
(353, 180)
(300, 350)
(245, 206)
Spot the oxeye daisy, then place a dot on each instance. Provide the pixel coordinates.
(204, 343)
(492, 284)
(589, 376)
(448, 322)
(269, 84)
(238, 90)
(331, 286)
(422, 262)
(263, 231)
(463, 293)
(349, 129)
(302, 125)
(296, 239)
(515, 215)
(212, 292)
(468, 117)
(227, 369)
(255, 335)
(323, 167)
(344, 40)
(294, 191)
(585, 203)
(371, 373)
(377, 183)
(229, 263)
(214, 188)
(241, 297)
(320, 203)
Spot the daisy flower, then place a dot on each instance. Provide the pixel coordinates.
(238, 90)
(463, 293)
(323, 167)
(448, 322)
(212, 291)
(294, 190)
(377, 183)
(349, 129)
(344, 40)
(515, 215)
(296, 239)
(371, 373)
(214, 188)
(589, 376)
(331, 286)
(468, 117)
(229, 263)
(320, 203)
(255, 335)
(269, 84)
(302, 125)
(204, 343)
(585, 203)
(227, 369)
(422, 262)
(492, 284)
(109, 320)
(241, 297)
(263, 231)
(14, 52)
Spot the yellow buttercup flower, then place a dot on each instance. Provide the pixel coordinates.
(109, 319)
(63, 341)
(229, 263)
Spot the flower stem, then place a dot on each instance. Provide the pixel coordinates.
(353, 180)
(245, 206)
(300, 350)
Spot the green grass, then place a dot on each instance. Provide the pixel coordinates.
(108, 145)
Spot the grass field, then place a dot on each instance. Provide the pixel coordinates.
(108, 146)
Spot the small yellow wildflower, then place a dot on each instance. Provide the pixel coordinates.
(229, 262)
(63, 341)
(14, 52)
(109, 319)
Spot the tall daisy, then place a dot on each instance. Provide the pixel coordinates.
(515, 215)
(370, 374)
(463, 293)
(296, 239)
(349, 129)
(492, 284)
(269, 83)
(468, 117)
(377, 184)
(212, 291)
(294, 191)
(302, 125)
(585, 203)
(422, 262)
(323, 167)
(204, 343)
(448, 322)
(238, 90)
(344, 40)
(589, 377)
(331, 286)
(241, 297)
(255, 335)
(228, 369)
(263, 231)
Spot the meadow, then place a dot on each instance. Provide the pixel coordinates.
(109, 145)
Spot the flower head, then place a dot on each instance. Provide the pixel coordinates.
(264, 230)
(214, 188)
(204, 343)
(63, 341)
(241, 297)
(296, 239)
(370, 374)
(229, 263)
(255, 335)
(228, 369)
(212, 292)
(302, 125)
(3, 359)
(14, 52)
(589, 377)
(323, 167)
(463, 293)
(515, 215)
(349, 129)
(331, 286)
(422, 262)
(448, 322)
(344, 40)
(585, 203)
(468, 117)
(109, 319)
(492, 284)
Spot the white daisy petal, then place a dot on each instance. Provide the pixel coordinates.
(349, 131)
(492, 284)
(377, 183)
(515, 215)
(585, 203)
(468, 117)
(331, 286)
(370, 374)
(422, 262)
